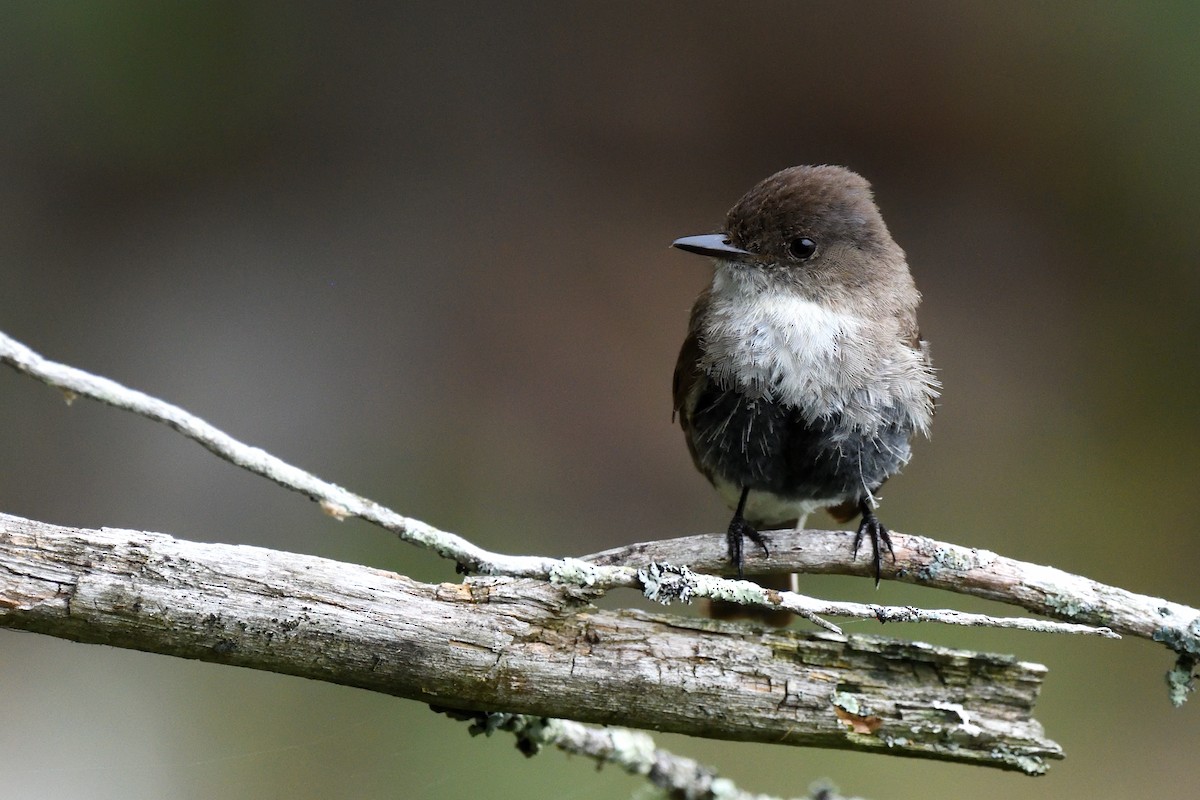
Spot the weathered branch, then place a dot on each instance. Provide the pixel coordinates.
(517, 645)
(334, 500)
(540, 649)
(631, 751)
(340, 503)
(926, 562)
(666, 584)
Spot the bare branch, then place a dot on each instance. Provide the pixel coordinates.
(632, 751)
(665, 583)
(522, 646)
(340, 503)
(926, 562)
(334, 500)
(541, 650)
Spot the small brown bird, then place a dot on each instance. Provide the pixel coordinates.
(803, 377)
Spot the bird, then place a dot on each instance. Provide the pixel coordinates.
(803, 377)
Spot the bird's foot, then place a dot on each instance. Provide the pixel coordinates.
(872, 528)
(739, 531)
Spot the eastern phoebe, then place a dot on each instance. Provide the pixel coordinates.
(803, 376)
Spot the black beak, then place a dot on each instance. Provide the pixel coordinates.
(711, 244)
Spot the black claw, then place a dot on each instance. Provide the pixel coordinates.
(759, 540)
(739, 531)
(873, 528)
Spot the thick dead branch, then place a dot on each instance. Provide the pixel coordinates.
(517, 645)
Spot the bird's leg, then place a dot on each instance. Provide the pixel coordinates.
(872, 527)
(739, 531)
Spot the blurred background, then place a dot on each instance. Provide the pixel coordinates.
(422, 251)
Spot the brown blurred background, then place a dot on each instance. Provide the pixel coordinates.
(422, 251)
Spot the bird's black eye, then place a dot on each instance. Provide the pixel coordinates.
(802, 248)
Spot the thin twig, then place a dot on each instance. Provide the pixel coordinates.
(334, 500)
(666, 583)
(633, 752)
(341, 503)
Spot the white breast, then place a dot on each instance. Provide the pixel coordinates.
(809, 355)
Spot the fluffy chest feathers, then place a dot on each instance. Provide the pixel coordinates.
(821, 360)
